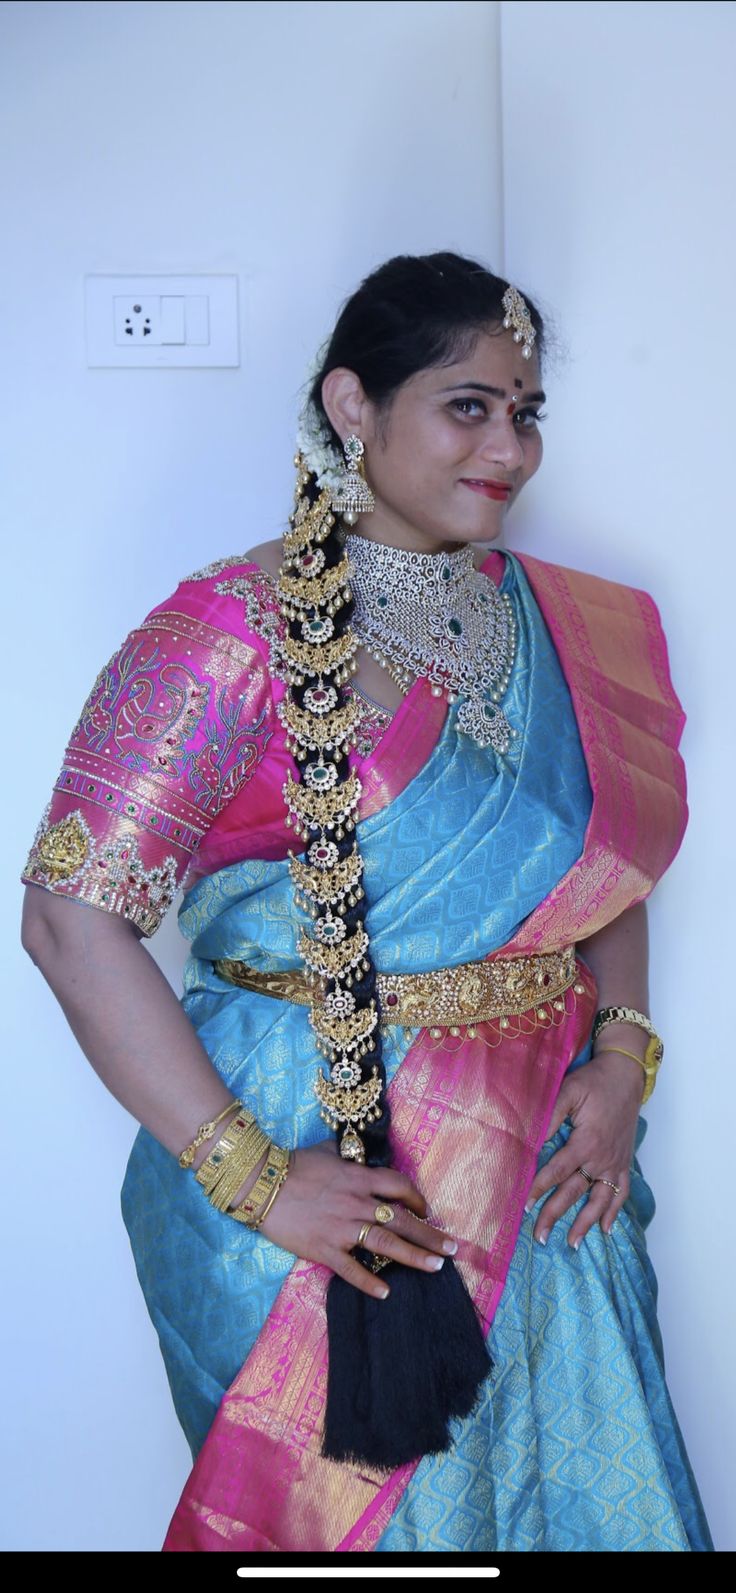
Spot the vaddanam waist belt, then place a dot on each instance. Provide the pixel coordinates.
(469, 993)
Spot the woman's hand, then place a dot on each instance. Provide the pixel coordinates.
(326, 1200)
(603, 1099)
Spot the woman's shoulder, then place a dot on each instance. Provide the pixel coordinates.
(576, 575)
(265, 558)
(236, 595)
(233, 598)
(610, 626)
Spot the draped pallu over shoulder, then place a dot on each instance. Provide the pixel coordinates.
(613, 651)
(468, 1132)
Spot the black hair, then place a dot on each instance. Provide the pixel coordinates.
(402, 1369)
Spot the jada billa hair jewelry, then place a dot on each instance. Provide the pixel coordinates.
(322, 808)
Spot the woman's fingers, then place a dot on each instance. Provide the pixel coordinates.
(602, 1202)
(557, 1170)
(408, 1222)
(422, 1234)
(595, 1206)
(624, 1184)
(327, 1204)
(386, 1241)
(359, 1276)
(387, 1184)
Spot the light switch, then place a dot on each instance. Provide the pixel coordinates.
(171, 320)
(197, 319)
(162, 321)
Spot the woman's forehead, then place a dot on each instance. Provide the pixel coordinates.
(492, 362)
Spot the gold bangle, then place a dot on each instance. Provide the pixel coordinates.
(241, 1162)
(213, 1167)
(272, 1176)
(204, 1132)
(280, 1181)
(276, 1160)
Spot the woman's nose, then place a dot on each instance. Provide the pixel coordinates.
(503, 445)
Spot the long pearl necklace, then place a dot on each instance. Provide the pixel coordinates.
(434, 615)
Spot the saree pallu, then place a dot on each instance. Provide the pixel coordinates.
(574, 1443)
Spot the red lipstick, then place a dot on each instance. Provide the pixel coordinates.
(490, 489)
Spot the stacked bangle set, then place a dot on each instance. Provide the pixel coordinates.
(236, 1154)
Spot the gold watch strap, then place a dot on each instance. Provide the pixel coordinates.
(650, 1061)
(608, 1015)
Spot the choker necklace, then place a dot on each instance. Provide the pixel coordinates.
(435, 615)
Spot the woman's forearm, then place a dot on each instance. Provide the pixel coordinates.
(126, 1018)
(618, 956)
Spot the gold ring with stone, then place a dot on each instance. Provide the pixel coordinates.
(384, 1214)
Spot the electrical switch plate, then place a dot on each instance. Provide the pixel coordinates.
(141, 321)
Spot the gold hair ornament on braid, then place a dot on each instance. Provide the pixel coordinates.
(330, 810)
(320, 732)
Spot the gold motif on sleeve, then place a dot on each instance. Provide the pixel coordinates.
(64, 848)
(107, 873)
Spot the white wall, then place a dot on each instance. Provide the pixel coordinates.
(297, 145)
(619, 157)
(274, 141)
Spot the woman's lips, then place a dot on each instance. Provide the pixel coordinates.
(489, 489)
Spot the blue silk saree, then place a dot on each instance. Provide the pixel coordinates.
(575, 1444)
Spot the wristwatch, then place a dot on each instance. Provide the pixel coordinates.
(655, 1049)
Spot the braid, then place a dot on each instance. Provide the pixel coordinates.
(328, 885)
(400, 1369)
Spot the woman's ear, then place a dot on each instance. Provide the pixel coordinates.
(344, 401)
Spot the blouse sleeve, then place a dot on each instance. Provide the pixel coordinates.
(174, 727)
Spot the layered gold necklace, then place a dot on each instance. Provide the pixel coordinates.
(435, 615)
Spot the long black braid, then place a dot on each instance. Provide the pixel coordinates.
(401, 1369)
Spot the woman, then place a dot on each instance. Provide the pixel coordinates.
(436, 1328)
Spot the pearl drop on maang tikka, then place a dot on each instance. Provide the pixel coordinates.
(517, 316)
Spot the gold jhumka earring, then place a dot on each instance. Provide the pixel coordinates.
(352, 496)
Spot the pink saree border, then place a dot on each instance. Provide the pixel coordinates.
(630, 720)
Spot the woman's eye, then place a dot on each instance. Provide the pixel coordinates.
(471, 407)
(463, 404)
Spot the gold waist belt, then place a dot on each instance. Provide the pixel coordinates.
(446, 997)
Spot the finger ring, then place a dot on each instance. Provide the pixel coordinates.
(384, 1214)
(617, 1187)
(587, 1176)
(364, 1232)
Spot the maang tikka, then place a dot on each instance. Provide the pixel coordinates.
(352, 496)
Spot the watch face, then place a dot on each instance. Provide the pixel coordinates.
(654, 1052)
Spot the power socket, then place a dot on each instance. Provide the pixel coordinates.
(137, 321)
(148, 320)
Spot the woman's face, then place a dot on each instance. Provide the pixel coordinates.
(449, 431)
